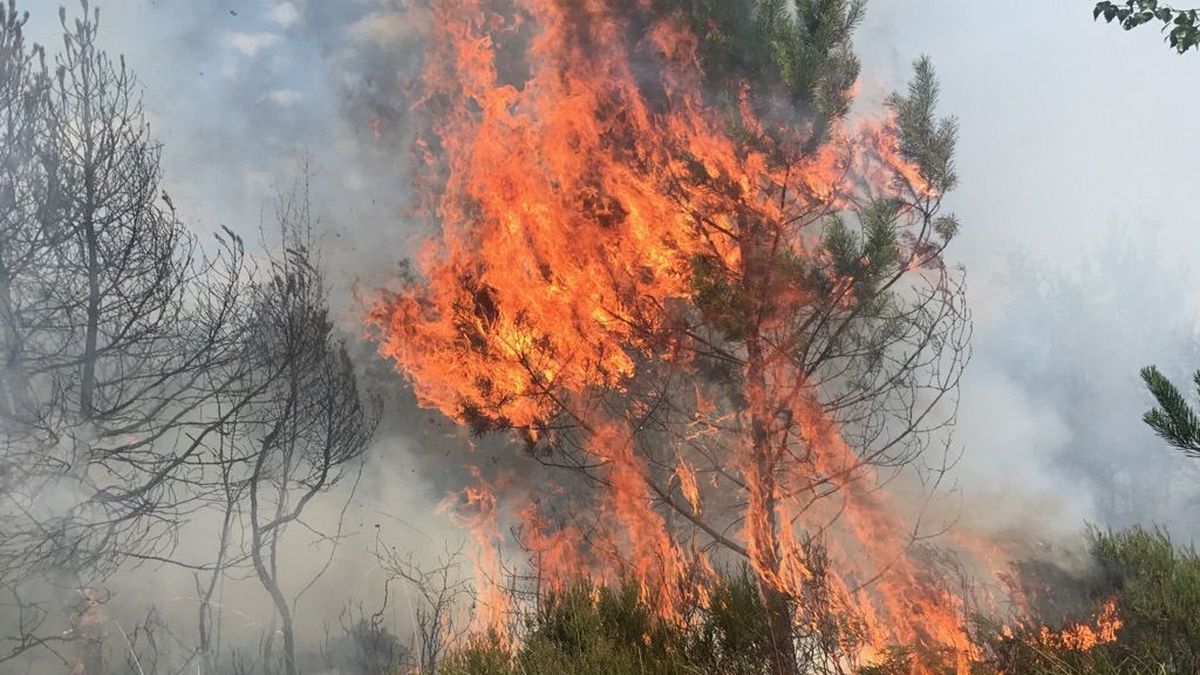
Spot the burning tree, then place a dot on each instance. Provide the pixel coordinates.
(669, 264)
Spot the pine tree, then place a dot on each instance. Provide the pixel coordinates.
(816, 335)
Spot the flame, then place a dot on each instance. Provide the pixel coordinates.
(86, 624)
(556, 553)
(91, 609)
(688, 484)
(1082, 637)
(563, 274)
(475, 509)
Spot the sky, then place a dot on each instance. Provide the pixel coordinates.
(1076, 160)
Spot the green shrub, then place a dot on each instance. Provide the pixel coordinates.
(586, 630)
(733, 636)
(1156, 585)
(608, 630)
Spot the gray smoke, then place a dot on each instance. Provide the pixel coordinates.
(1075, 238)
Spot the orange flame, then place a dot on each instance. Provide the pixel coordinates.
(1082, 637)
(475, 509)
(565, 264)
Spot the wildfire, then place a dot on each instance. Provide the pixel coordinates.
(594, 201)
(87, 625)
(475, 509)
(91, 609)
(1083, 637)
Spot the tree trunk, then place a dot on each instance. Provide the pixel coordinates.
(11, 382)
(268, 576)
(209, 640)
(92, 659)
(775, 600)
(779, 624)
(87, 384)
(756, 272)
(91, 241)
(271, 585)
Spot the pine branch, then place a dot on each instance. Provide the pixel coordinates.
(1174, 421)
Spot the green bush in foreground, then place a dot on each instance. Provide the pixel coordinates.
(607, 630)
(595, 630)
(1157, 587)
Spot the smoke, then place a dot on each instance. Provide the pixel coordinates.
(245, 96)
(1054, 403)
(1074, 238)
(1072, 228)
(244, 93)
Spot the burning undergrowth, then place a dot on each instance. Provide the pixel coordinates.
(671, 266)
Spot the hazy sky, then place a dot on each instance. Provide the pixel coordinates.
(1078, 175)
(1068, 127)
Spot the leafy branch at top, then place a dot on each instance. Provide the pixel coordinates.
(1182, 26)
(1173, 420)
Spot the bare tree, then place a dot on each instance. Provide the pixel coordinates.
(439, 592)
(114, 320)
(24, 85)
(297, 422)
(146, 378)
(365, 645)
(119, 332)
